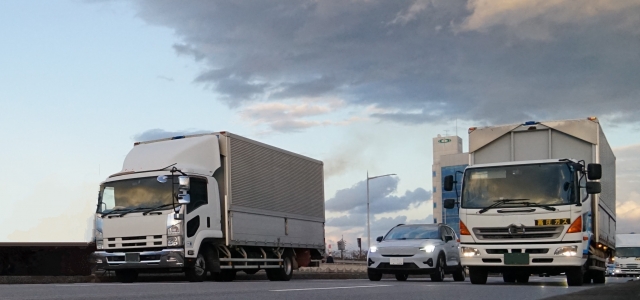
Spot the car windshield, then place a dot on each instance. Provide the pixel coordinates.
(413, 232)
(134, 193)
(536, 184)
(628, 252)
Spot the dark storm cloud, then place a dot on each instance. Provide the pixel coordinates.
(353, 200)
(423, 61)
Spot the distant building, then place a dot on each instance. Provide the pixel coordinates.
(448, 159)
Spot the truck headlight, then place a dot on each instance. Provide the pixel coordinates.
(99, 245)
(174, 241)
(174, 229)
(567, 251)
(428, 249)
(469, 252)
(373, 249)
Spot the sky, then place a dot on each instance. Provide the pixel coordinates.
(363, 85)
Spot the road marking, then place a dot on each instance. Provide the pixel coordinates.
(331, 288)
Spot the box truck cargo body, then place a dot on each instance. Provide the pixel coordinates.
(531, 202)
(216, 203)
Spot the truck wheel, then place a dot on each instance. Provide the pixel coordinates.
(402, 277)
(282, 274)
(509, 276)
(198, 271)
(374, 275)
(438, 272)
(127, 276)
(574, 276)
(598, 277)
(459, 274)
(522, 277)
(478, 275)
(586, 277)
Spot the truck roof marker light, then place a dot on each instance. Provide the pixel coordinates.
(472, 129)
(463, 229)
(529, 123)
(592, 118)
(136, 144)
(177, 137)
(576, 226)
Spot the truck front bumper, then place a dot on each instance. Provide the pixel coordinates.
(162, 259)
(527, 255)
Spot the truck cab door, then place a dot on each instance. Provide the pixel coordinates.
(202, 218)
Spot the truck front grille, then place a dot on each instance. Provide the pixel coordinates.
(129, 242)
(525, 232)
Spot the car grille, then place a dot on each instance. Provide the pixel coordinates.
(529, 232)
(403, 266)
(401, 251)
(134, 242)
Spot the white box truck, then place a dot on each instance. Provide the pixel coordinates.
(627, 257)
(531, 202)
(213, 203)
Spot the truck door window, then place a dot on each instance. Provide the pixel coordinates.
(198, 192)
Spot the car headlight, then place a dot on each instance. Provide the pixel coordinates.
(174, 241)
(469, 252)
(428, 249)
(567, 251)
(99, 245)
(373, 249)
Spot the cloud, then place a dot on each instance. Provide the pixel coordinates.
(157, 133)
(628, 188)
(488, 61)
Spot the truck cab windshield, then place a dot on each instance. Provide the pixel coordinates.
(124, 195)
(539, 184)
(628, 252)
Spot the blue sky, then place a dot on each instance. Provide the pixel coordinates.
(361, 85)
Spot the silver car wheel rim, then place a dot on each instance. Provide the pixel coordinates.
(441, 270)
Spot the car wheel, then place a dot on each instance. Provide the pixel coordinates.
(127, 276)
(198, 271)
(402, 277)
(438, 273)
(374, 275)
(459, 274)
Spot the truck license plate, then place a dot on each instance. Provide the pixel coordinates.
(132, 257)
(545, 222)
(516, 258)
(396, 261)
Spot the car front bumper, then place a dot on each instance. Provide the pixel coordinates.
(162, 259)
(420, 263)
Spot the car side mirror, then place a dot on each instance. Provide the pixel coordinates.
(448, 183)
(594, 171)
(594, 187)
(379, 239)
(449, 203)
(448, 238)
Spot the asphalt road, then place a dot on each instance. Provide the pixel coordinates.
(414, 288)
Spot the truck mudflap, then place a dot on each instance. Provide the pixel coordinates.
(163, 259)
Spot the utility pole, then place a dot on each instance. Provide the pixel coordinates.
(368, 212)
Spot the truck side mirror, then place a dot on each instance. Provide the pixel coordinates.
(449, 203)
(448, 183)
(184, 183)
(379, 239)
(593, 187)
(184, 198)
(594, 171)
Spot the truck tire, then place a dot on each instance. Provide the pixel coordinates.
(575, 276)
(522, 277)
(402, 277)
(198, 271)
(127, 276)
(478, 275)
(509, 276)
(438, 272)
(459, 274)
(374, 275)
(282, 274)
(586, 277)
(598, 277)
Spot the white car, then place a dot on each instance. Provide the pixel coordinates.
(416, 249)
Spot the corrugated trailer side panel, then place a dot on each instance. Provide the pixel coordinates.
(275, 197)
(607, 198)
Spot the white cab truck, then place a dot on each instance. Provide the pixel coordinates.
(537, 198)
(214, 204)
(627, 257)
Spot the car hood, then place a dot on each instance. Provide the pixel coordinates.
(403, 247)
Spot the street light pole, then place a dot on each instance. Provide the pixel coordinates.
(368, 214)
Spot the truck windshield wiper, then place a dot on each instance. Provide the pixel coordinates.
(156, 208)
(115, 211)
(498, 203)
(547, 207)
